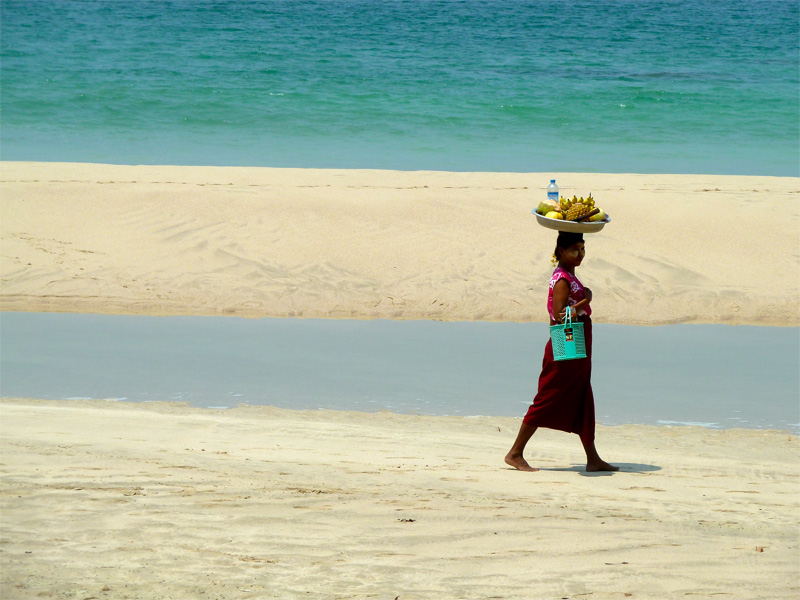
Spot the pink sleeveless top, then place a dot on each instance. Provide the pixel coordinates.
(576, 293)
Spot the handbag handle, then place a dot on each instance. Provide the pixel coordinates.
(568, 316)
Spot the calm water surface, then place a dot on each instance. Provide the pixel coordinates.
(716, 376)
(654, 86)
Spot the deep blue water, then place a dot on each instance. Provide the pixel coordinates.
(716, 376)
(681, 86)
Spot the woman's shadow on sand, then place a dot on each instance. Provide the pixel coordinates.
(580, 469)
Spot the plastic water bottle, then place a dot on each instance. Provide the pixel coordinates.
(552, 191)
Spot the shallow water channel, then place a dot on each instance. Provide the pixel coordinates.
(710, 375)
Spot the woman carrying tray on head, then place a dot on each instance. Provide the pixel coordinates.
(564, 400)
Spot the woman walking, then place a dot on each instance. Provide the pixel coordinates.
(564, 400)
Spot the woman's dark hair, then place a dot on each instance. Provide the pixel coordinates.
(565, 240)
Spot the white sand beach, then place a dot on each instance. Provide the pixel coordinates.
(102, 500)
(151, 501)
(385, 244)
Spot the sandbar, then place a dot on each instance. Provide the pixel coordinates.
(263, 242)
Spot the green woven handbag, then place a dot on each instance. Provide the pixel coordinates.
(568, 339)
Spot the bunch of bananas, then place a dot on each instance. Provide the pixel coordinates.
(567, 203)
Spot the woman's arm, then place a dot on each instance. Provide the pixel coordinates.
(561, 300)
(587, 298)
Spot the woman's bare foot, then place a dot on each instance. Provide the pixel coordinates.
(519, 463)
(594, 467)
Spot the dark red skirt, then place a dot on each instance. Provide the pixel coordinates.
(565, 400)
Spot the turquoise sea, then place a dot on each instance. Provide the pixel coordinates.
(679, 86)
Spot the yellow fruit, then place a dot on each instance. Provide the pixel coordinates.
(576, 211)
(601, 216)
(554, 215)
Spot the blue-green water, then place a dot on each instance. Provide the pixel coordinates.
(682, 86)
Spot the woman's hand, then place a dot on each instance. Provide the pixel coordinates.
(587, 294)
